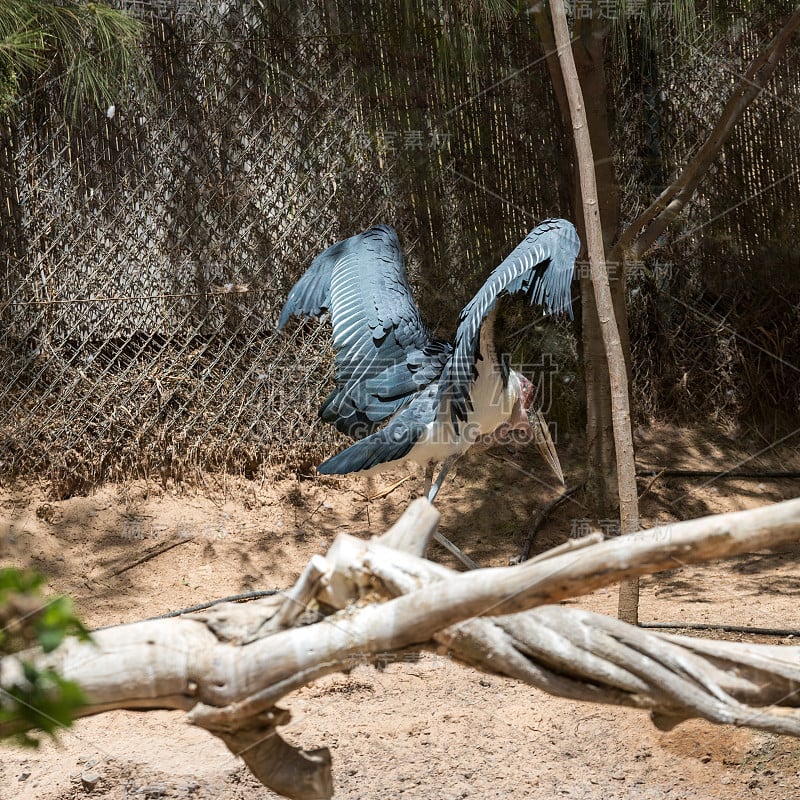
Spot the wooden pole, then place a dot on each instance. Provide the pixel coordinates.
(620, 407)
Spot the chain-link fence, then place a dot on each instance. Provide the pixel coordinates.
(147, 252)
(151, 251)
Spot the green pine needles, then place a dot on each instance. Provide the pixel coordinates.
(87, 52)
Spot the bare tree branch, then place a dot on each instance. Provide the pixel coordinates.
(634, 241)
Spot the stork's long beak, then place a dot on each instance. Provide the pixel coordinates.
(545, 443)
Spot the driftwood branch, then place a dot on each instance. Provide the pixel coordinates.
(228, 666)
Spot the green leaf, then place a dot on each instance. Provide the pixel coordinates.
(19, 581)
(42, 698)
(45, 701)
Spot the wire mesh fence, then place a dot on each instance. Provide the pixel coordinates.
(715, 323)
(150, 253)
(148, 250)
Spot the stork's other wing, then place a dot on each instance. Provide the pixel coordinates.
(384, 351)
(541, 266)
(391, 443)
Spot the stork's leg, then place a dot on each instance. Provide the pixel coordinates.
(428, 478)
(446, 464)
(432, 492)
(456, 551)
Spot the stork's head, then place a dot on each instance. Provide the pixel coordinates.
(527, 393)
(531, 423)
(523, 393)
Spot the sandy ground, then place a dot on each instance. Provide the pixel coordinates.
(418, 729)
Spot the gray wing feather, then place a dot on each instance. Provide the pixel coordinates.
(541, 266)
(311, 295)
(384, 351)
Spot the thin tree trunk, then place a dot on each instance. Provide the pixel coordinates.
(626, 470)
(589, 53)
(588, 48)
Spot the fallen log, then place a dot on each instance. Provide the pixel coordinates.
(229, 665)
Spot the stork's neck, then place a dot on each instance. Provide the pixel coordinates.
(486, 345)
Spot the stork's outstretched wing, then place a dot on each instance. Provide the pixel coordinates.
(541, 266)
(384, 351)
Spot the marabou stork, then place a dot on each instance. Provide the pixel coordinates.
(440, 399)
